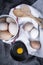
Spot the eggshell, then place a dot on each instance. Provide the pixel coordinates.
(13, 28)
(28, 26)
(3, 26)
(34, 33)
(5, 35)
(2, 19)
(9, 20)
(35, 44)
(18, 12)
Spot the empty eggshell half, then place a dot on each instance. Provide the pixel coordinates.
(28, 26)
(25, 8)
(18, 12)
(34, 33)
(3, 26)
(13, 28)
(35, 44)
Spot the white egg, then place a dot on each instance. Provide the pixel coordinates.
(3, 26)
(34, 33)
(13, 28)
(9, 20)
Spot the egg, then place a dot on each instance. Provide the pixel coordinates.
(9, 20)
(3, 26)
(13, 28)
(5, 35)
(2, 19)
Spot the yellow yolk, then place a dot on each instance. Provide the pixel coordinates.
(20, 50)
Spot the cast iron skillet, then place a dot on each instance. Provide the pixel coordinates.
(19, 57)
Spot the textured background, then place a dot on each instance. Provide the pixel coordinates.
(5, 58)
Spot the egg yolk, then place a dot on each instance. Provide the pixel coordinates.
(20, 50)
